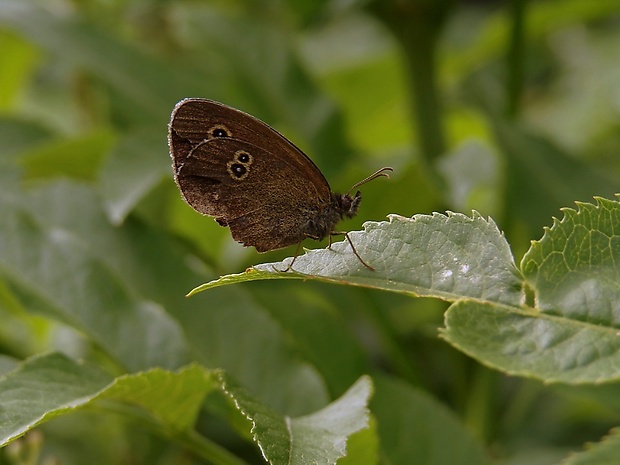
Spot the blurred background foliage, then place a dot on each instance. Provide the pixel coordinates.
(509, 107)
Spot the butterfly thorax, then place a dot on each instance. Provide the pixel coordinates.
(323, 223)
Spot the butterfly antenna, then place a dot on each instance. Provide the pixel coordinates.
(377, 174)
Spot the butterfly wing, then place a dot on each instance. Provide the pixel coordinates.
(195, 120)
(265, 195)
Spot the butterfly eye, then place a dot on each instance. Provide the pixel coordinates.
(219, 130)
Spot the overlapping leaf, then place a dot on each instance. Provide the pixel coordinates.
(572, 334)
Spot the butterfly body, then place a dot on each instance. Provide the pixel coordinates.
(236, 168)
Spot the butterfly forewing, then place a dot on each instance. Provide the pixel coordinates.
(196, 120)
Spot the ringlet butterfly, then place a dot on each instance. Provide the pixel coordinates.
(252, 179)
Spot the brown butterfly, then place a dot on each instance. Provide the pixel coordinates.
(252, 179)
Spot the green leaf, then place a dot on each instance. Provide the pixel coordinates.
(575, 268)
(58, 273)
(320, 437)
(362, 447)
(529, 343)
(7, 364)
(142, 80)
(42, 388)
(51, 385)
(605, 452)
(132, 170)
(173, 398)
(446, 256)
(96, 283)
(16, 65)
(544, 177)
(572, 335)
(78, 157)
(17, 136)
(415, 428)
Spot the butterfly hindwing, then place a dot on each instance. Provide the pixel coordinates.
(261, 195)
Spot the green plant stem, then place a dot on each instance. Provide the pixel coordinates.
(419, 43)
(208, 450)
(417, 25)
(197, 444)
(522, 403)
(399, 360)
(515, 59)
(478, 410)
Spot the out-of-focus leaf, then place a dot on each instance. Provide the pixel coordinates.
(143, 80)
(228, 330)
(18, 136)
(319, 331)
(135, 166)
(379, 121)
(472, 175)
(543, 18)
(78, 158)
(320, 437)
(55, 267)
(16, 63)
(7, 364)
(542, 178)
(414, 428)
(605, 452)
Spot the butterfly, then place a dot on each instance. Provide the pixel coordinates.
(232, 166)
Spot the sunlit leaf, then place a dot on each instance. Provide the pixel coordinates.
(447, 256)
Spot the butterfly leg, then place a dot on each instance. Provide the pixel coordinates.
(333, 233)
(346, 235)
(290, 265)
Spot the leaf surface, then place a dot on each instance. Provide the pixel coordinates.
(446, 256)
(575, 268)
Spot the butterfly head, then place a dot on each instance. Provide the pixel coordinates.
(346, 204)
